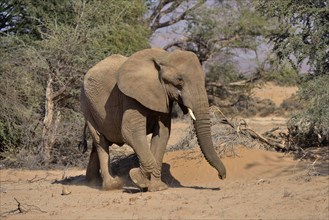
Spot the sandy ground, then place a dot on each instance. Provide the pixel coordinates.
(259, 185)
(274, 92)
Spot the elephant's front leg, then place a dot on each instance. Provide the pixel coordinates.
(134, 133)
(159, 143)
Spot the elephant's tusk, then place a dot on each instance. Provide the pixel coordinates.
(191, 114)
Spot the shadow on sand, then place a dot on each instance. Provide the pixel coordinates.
(120, 167)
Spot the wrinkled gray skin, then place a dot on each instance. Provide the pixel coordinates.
(124, 99)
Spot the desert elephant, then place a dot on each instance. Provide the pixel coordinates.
(124, 99)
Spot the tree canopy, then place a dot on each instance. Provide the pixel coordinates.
(301, 33)
(29, 17)
(46, 48)
(301, 30)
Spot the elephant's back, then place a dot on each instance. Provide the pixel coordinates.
(101, 78)
(104, 70)
(110, 63)
(98, 84)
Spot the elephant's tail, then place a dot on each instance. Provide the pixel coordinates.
(83, 146)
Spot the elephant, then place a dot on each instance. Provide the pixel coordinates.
(123, 99)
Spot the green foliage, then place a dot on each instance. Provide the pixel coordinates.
(219, 35)
(222, 72)
(67, 38)
(228, 24)
(221, 32)
(20, 96)
(26, 17)
(302, 30)
(285, 75)
(310, 127)
(301, 34)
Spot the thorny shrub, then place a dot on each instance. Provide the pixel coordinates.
(310, 127)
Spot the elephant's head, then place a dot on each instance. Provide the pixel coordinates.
(155, 78)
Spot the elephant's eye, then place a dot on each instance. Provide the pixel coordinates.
(179, 86)
(180, 83)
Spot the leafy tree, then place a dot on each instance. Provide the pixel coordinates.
(223, 27)
(52, 63)
(20, 97)
(25, 17)
(310, 128)
(301, 34)
(301, 30)
(218, 34)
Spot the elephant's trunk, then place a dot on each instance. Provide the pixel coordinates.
(203, 133)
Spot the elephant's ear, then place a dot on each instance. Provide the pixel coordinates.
(139, 79)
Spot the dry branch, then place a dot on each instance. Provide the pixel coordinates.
(238, 83)
(22, 208)
(227, 134)
(272, 142)
(36, 179)
(241, 130)
(160, 12)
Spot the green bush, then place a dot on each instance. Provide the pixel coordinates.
(42, 64)
(291, 104)
(310, 127)
(285, 75)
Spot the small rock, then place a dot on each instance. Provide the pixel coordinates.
(65, 191)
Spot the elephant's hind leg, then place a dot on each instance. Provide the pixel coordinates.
(102, 147)
(92, 174)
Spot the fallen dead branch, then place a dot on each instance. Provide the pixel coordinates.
(21, 209)
(268, 139)
(36, 179)
(227, 134)
(272, 142)
(238, 83)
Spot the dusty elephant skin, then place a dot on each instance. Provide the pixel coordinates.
(124, 99)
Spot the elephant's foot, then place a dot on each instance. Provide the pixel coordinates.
(93, 180)
(139, 178)
(112, 183)
(157, 185)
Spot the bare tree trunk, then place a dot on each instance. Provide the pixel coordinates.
(50, 123)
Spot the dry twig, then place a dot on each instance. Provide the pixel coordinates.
(21, 209)
(229, 133)
(241, 128)
(36, 179)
